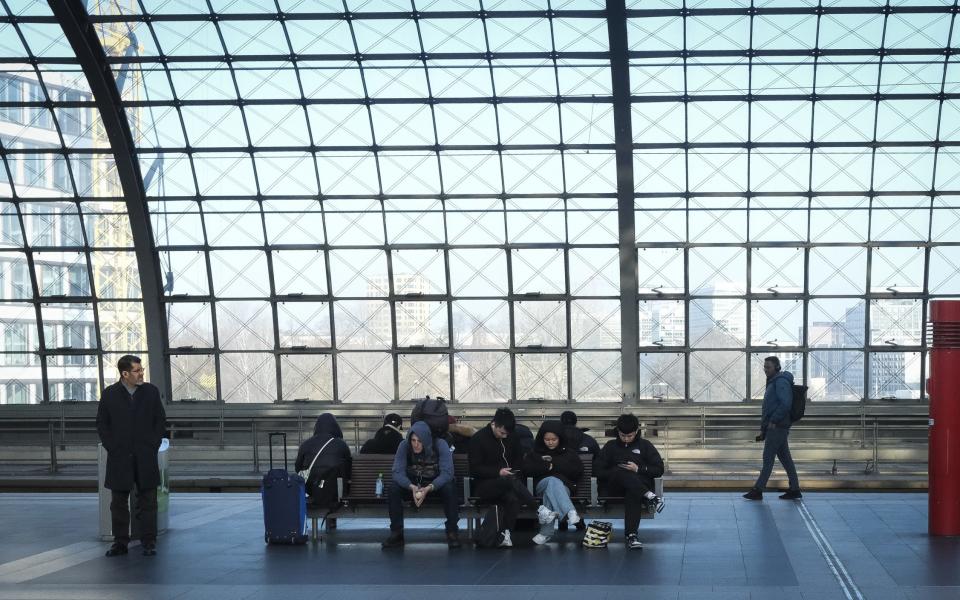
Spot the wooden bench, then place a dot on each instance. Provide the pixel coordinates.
(358, 496)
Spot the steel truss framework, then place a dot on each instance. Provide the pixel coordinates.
(571, 199)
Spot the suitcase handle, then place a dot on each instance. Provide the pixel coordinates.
(271, 435)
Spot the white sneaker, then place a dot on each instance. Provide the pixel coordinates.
(573, 518)
(541, 539)
(506, 542)
(545, 515)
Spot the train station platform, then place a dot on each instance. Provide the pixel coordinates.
(710, 545)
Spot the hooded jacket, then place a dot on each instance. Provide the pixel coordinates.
(434, 451)
(488, 454)
(385, 441)
(562, 462)
(777, 400)
(639, 451)
(335, 458)
(580, 441)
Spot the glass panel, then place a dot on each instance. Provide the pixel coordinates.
(717, 376)
(836, 376)
(662, 323)
(541, 376)
(895, 375)
(662, 376)
(193, 377)
(364, 377)
(596, 376)
(307, 377)
(540, 323)
(424, 374)
(248, 377)
(482, 376)
(189, 325)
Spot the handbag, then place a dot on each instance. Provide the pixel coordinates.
(598, 534)
(305, 474)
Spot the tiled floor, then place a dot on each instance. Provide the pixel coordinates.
(706, 545)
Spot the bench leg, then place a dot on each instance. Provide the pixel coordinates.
(314, 530)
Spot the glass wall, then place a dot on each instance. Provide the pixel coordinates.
(369, 201)
(70, 301)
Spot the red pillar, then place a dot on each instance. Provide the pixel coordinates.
(943, 388)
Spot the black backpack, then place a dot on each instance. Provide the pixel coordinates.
(433, 412)
(799, 404)
(488, 534)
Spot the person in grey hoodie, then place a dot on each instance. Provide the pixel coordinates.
(422, 465)
(775, 429)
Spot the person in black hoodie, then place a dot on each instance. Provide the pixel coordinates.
(330, 461)
(627, 466)
(495, 459)
(577, 437)
(555, 469)
(387, 439)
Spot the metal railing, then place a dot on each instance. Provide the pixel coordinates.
(710, 432)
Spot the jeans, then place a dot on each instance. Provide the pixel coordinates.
(776, 445)
(509, 493)
(556, 497)
(633, 487)
(146, 515)
(448, 493)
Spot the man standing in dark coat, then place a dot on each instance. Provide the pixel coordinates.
(131, 423)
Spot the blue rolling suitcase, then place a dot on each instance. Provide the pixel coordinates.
(284, 502)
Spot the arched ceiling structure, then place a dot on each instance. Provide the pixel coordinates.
(367, 201)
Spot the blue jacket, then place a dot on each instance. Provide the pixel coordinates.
(426, 437)
(777, 400)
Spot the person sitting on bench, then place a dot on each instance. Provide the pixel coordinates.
(495, 461)
(556, 469)
(422, 465)
(330, 457)
(627, 466)
(387, 439)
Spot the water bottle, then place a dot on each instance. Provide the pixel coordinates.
(378, 491)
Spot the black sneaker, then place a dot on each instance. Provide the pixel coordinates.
(117, 549)
(394, 541)
(149, 549)
(754, 494)
(633, 543)
(791, 495)
(657, 503)
(453, 540)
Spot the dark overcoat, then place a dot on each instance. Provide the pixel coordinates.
(131, 431)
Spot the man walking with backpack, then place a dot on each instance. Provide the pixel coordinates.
(775, 429)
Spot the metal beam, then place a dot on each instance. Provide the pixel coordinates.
(623, 144)
(80, 32)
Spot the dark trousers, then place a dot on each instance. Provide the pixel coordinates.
(633, 487)
(146, 515)
(776, 445)
(509, 493)
(448, 494)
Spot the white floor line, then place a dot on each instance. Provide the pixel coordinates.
(850, 589)
(58, 559)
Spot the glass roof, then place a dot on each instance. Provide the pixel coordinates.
(369, 201)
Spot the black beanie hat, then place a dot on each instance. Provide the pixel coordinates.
(627, 423)
(568, 417)
(393, 419)
(504, 418)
